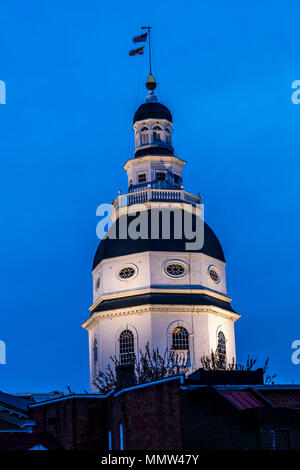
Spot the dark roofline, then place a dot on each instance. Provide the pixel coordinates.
(70, 397)
(113, 392)
(169, 298)
(14, 402)
(111, 247)
(184, 385)
(152, 110)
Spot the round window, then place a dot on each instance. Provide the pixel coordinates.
(97, 284)
(175, 269)
(214, 274)
(127, 272)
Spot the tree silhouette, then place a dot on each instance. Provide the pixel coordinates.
(152, 366)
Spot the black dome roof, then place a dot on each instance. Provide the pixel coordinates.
(153, 110)
(159, 150)
(111, 248)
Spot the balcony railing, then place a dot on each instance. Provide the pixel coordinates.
(155, 195)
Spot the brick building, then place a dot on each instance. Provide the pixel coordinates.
(176, 414)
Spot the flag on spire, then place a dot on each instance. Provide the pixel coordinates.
(141, 38)
(138, 51)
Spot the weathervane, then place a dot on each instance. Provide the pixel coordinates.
(151, 83)
(148, 28)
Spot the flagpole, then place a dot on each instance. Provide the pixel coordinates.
(149, 33)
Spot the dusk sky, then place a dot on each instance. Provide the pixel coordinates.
(225, 71)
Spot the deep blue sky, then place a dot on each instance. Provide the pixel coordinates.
(225, 70)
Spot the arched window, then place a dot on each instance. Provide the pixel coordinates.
(95, 357)
(144, 135)
(180, 346)
(157, 133)
(221, 349)
(127, 355)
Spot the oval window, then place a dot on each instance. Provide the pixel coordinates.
(127, 272)
(214, 274)
(97, 284)
(174, 269)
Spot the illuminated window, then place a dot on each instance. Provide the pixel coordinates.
(222, 349)
(180, 339)
(126, 341)
(180, 347)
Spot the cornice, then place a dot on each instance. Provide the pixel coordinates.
(154, 158)
(158, 309)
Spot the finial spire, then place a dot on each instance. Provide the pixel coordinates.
(151, 85)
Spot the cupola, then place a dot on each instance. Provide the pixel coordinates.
(152, 124)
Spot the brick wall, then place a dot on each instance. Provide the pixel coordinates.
(77, 423)
(278, 427)
(164, 416)
(283, 398)
(151, 418)
(211, 423)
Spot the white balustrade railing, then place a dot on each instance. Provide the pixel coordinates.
(147, 195)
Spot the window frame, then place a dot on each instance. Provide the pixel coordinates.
(183, 340)
(130, 345)
(180, 346)
(179, 262)
(95, 359)
(213, 268)
(124, 266)
(221, 349)
(161, 172)
(144, 173)
(189, 329)
(97, 282)
(176, 178)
